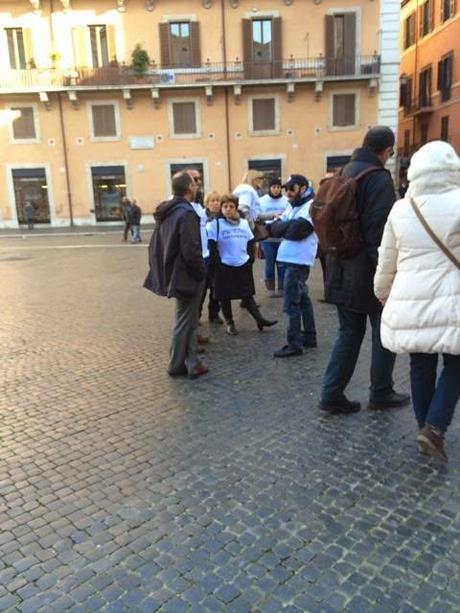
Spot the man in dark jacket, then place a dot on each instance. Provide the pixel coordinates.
(349, 285)
(135, 215)
(177, 271)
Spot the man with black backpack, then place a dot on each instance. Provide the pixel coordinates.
(352, 242)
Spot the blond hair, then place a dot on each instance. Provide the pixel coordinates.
(209, 196)
(251, 175)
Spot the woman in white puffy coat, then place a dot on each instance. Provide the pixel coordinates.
(420, 287)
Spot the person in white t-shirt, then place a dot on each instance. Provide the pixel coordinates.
(297, 253)
(272, 205)
(231, 244)
(247, 193)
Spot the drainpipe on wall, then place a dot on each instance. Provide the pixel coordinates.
(227, 114)
(63, 134)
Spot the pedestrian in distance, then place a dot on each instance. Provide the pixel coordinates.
(350, 280)
(231, 244)
(272, 205)
(126, 213)
(29, 214)
(418, 281)
(135, 215)
(177, 271)
(296, 254)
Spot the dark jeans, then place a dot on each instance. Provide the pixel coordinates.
(298, 306)
(126, 229)
(270, 249)
(342, 363)
(434, 403)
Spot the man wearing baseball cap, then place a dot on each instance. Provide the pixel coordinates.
(297, 254)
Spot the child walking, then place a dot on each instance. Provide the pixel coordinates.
(231, 245)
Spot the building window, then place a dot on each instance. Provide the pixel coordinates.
(23, 127)
(445, 76)
(109, 187)
(343, 110)
(94, 45)
(99, 46)
(426, 17)
(104, 121)
(180, 44)
(341, 44)
(445, 128)
(425, 87)
(262, 40)
(423, 134)
(447, 9)
(406, 150)
(181, 53)
(30, 185)
(263, 116)
(184, 119)
(409, 31)
(19, 42)
(405, 94)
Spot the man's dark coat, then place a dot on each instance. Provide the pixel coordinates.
(349, 282)
(175, 254)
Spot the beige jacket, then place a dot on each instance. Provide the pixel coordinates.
(422, 313)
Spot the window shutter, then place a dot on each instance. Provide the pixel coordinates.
(349, 109)
(28, 45)
(184, 118)
(247, 47)
(277, 47)
(431, 15)
(104, 120)
(338, 110)
(440, 71)
(329, 44)
(421, 21)
(263, 114)
(195, 44)
(111, 43)
(350, 42)
(79, 41)
(403, 94)
(442, 11)
(412, 29)
(452, 8)
(164, 45)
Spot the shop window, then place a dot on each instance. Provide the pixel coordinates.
(30, 185)
(109, 187)
(271, 169)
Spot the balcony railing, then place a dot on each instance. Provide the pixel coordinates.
(293, 69)
(420, 105)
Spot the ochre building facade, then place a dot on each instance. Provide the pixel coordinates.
(101, 99)
(430, 74)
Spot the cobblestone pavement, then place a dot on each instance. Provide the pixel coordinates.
(122, 489)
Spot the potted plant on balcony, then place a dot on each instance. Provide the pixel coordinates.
(54, 57)
(140, 61)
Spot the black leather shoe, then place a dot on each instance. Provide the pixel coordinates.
(390, 401)
(340, 407)
(231, 330)
(216, 320)
(287, 351)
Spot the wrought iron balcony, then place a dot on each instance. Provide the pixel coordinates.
(213, 73)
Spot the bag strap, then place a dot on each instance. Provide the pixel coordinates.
(366, 172)
(429, 231)
(218, 227)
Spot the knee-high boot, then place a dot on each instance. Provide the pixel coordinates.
(260, 319)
